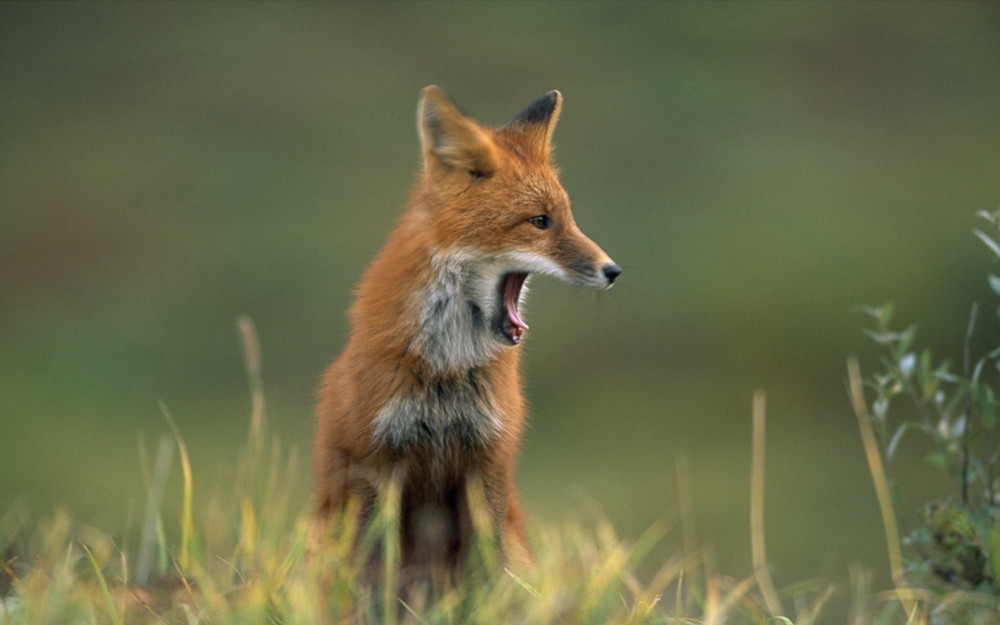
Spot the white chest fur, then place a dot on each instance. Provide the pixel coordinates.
(442, 416)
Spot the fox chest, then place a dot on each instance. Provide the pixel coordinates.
(439, 420)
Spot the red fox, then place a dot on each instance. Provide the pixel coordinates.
(428, 386)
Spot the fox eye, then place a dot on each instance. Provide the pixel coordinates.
(542, 222)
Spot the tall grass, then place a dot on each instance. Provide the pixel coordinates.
(246, 557)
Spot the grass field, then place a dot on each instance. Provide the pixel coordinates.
(246, 555)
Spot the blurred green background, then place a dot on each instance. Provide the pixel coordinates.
(758, 169)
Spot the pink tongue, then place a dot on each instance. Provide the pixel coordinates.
(512, 288)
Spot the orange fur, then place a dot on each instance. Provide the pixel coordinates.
(428, 386)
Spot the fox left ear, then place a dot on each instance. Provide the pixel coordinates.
(450, 140)
(537, 121)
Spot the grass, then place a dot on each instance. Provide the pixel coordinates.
(245, 557)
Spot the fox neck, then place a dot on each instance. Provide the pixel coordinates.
(456, 311)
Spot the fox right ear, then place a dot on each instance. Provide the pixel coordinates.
(536, 123)
(449, 139)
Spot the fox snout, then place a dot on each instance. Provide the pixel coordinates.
(601, 275)
(585, 263)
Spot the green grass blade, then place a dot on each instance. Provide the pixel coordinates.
(187, 523)
(109, 602)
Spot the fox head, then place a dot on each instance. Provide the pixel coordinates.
(497, 210)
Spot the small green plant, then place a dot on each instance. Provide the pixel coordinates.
(956, 545)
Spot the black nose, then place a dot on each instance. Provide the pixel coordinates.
(611, 272)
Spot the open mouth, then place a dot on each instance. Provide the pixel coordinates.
(511, 326)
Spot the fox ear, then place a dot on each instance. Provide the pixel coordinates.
(450, 140)
(536, 122)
